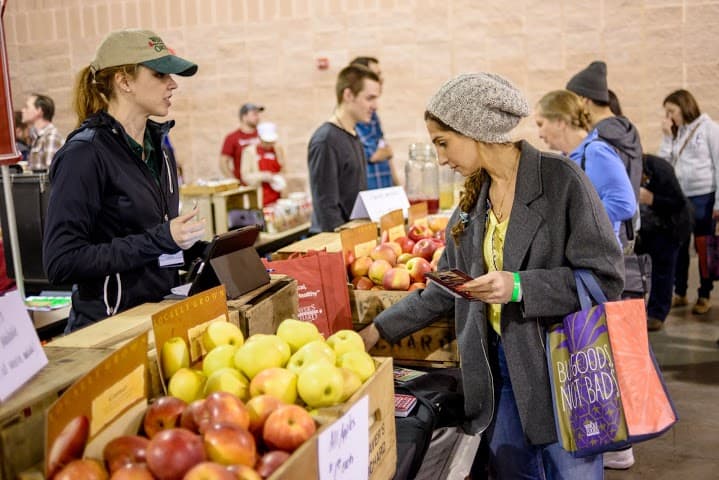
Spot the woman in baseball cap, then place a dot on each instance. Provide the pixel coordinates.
(113, 225)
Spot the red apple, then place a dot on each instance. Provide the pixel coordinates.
(270, 462)
(396, 279)
(243, 472)
(418, 232)
(209, 471)
(360, 266)
(69, 445)
(417, 286)
(418, 267)
(260, 408)
(288, 427)
(377, 269)
(362, 283)
(230, 445)
(132, 471)
(171, 453)
(192, 411)
(384, 252)
(163, 413)
(222, 407)
(405, 243)
(123, 450)
(424, 248)
(83, 469)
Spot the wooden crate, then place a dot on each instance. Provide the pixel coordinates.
(263, 309)
(22, 416)
(194, 189)
(435, 345)
(303, 464)
(329, 241)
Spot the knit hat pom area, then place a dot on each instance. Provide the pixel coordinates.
(482, 106)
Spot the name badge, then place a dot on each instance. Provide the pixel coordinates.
(171, 259)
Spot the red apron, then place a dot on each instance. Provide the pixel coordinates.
(268, 163)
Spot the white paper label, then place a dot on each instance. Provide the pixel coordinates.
(375, 203)
(343, 448)
(21, 354)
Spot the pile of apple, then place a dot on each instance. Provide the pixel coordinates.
(239, 417)
(400, 264)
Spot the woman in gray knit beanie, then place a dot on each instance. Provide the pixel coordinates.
(525, 221)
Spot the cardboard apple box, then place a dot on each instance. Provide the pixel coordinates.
(113, 396)
(189, 319)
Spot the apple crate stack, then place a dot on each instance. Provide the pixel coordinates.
(203, 425)
(384, 272)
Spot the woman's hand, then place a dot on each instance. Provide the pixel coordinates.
(185, 231)
(493, 287)
(645, 196)
(667, 126)
(370, 336)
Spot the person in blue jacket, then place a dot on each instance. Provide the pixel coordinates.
(112, 227)
(564, 125)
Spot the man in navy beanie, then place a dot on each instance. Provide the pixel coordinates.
(618, 131)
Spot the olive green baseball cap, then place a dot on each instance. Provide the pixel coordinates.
(144, 47)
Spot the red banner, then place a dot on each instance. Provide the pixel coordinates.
(8, 150)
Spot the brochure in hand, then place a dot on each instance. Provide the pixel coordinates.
(449, 280)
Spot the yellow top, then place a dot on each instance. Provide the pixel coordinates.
(493, 253)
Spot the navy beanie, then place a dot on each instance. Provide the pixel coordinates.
(591, 82)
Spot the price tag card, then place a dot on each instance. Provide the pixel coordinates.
(391, 226)
(21, 354)
(375, 203)
(343, 447)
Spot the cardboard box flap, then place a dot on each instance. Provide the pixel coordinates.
(189, 319)
(116, 385)
(418, 214)
(359, 241)
(391, 226)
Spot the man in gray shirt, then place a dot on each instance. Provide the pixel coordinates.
(336, 159)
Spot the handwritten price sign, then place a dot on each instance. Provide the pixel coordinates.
(344, 446)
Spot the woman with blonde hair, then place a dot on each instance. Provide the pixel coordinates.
(564, 125)
(113, 228)
(526, 220)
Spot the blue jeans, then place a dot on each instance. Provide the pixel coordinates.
(512, 457)
(703, 225)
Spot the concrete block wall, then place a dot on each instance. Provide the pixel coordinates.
(265, 51)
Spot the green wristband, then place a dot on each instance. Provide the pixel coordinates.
(517, 290)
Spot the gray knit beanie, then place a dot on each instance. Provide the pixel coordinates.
(591, 82)
(482, 106)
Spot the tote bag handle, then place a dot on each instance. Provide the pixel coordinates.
(588, 289)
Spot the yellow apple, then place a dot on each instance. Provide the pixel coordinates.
(257, 355)
(320, 384)
(281, 345)
(278, 382)
(174, 356)
(309, 353)
(228, 380)
(359, 362)
(222, 333)
(297, 333)
(351, 383)
(222, 356)
(187, 384)
(343, 341)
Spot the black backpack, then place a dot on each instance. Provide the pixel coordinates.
(440, 403)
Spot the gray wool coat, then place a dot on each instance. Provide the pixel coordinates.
(557, 224)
